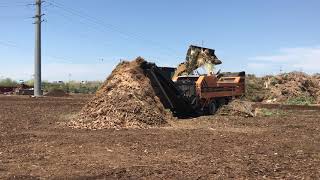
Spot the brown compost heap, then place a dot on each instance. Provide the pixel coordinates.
(237, 108)
(125, 100)
(295, 85)
(57, 93)
(285, 88)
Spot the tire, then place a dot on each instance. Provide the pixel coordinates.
(212, 109)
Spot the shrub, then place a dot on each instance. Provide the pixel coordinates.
(8, 82)
(301, 100)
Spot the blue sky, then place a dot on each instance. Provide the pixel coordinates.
(84, 40)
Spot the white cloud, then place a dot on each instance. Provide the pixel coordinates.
(290, 59)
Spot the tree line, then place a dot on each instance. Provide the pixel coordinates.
(85, 87)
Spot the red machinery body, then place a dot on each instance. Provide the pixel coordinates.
(208, 87)
(208, 92)
(194, 95)
(186, 94)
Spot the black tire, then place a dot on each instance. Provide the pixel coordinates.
(212, 109)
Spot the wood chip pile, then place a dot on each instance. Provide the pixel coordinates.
(284, 87)
(125, 100)
(237, 108)
(295, 84)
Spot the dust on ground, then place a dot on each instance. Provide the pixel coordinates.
(57, 93)
(34, 145)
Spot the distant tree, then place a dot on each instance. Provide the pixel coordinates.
(73, 86)
(8, 82)
(85, 87)
(29, 82)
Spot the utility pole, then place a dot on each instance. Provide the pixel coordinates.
(37, 59)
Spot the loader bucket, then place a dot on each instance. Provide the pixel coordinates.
(208, 53)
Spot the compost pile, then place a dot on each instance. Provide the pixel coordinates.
(237, 108)
(125, 100)
(294, 85)
(57, 93)
(284, 88)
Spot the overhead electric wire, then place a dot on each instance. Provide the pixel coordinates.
(103, 29)
(7, 44)
(90, 22)
(15, 4)
(14, 45)
(1, 6)
(112, 27)
(88, 25)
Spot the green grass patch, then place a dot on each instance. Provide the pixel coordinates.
(301, 100)
(271, 112)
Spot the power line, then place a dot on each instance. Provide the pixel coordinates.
(5, 6)
(14, 45)
(112, 27)
(68, 20)
(6, 44)
(15, 17)
(92, 25)
(87, 24)
(15, 4)
(84, 36)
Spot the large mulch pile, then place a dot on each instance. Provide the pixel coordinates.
(294, 85)
(284, 88)
(237, 108)
(57, 93)
(125, 100)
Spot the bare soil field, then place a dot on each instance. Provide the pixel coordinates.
(35, 144)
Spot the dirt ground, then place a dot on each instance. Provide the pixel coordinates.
(34, 144)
